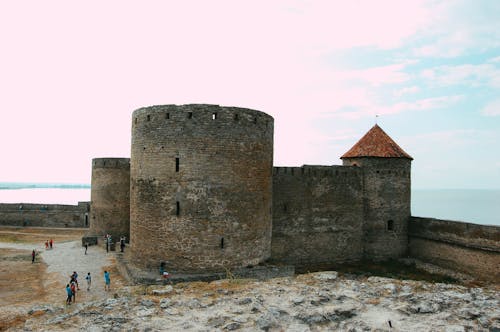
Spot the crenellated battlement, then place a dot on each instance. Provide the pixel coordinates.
(119, 163)
(317, 170)
(202, 116)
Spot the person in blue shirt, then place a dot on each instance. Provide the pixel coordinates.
(107, 281)
(69, 293)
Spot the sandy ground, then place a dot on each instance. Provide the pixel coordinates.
(23, 284)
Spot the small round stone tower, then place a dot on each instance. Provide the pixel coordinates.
(387, 193)
(110, 198)
(201, 187)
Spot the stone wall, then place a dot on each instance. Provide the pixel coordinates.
(470, 248)
(110, 198)
(387, 202)
(317, 215)
(44, 215)
(201, 178)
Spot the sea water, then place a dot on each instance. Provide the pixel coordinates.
(46, 195)
(478, 206)
(474, 206)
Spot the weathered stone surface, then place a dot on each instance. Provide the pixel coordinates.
(355, 304)
(200, 187)
(317, 215)
(44, 215)
(110, 198)
(469, 248)
(167, 290)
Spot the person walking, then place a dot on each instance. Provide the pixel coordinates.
(86, 247)
(89, 281)
(51, 242)
(69, 294)
(107, 281)
(33, 254)
(73, 291)
(74, 276)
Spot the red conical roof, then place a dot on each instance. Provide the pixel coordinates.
(376, 143)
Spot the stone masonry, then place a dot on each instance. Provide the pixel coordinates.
(204, 197)
(110, 198)
(317, 215)
(200, 187)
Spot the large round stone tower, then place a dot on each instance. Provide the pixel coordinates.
(387, 193)
(201, 187)
(110, 197)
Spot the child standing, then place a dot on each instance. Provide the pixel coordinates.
(89, 281)
(107, 281)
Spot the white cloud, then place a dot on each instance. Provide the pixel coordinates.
(492, 108)
(460, 27)
(494, 60)
(466, 74)
(406, 90)
(419, 105)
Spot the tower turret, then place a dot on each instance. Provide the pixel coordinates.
(110, 197)
(201, 187)
(387, 193)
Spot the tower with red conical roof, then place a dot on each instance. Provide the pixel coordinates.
(387, 193)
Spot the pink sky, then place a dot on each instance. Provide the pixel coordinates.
(72, 73)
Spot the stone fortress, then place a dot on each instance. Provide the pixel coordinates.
(200, 192)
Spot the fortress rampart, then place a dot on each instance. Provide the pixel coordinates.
(470, 248)
(44, 215)
(110, 197)
(200, 186)
(317, 215)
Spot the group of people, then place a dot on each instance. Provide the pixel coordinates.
(108, 241)
(72, 287)
(49, 244)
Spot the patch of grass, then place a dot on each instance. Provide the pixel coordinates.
(393, 269)
(389, 269)
(10, 238)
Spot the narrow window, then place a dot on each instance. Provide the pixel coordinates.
(390, 225)
(167, 116)
(135, 120)
(285, 208)
(214, 116)
(222, 243)
(176, 164)
(178, 208)
(148, 117)
(190, 115)
(236, 117)
(255, 120)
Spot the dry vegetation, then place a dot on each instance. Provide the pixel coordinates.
(22, 283)
(38, 236)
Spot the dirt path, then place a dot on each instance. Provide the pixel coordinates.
(67, 257)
